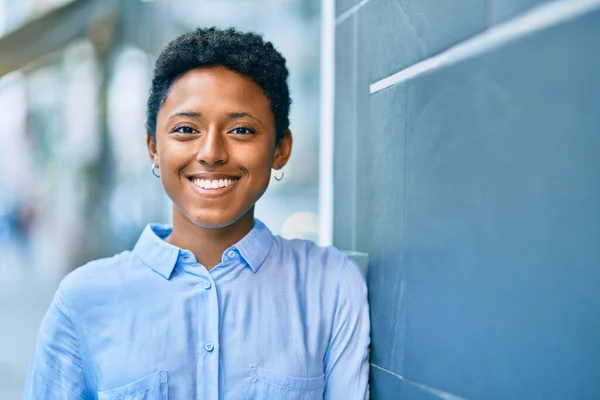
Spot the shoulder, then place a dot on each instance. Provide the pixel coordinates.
(94, 278)
(310, 250)
(323, 259)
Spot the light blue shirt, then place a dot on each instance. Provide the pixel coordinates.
(276, 319)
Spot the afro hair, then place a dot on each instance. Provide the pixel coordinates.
(244, 53)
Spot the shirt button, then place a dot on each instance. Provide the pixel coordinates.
(209, 347)
(231, 254)
(207, 285)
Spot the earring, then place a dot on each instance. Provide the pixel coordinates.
(278, 179)
(154, 169)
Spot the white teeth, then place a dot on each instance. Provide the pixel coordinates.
(216, 184)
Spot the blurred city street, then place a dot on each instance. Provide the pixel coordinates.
(75, 181)
(24, 297)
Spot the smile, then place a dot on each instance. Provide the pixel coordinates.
(208, 184)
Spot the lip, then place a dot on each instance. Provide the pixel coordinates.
(212, 192)
(210, 176)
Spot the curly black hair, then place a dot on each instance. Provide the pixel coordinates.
(244, 53)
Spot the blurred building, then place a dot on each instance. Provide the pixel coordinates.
(75, 180)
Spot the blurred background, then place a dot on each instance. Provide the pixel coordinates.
(75, 181)
(456, 143)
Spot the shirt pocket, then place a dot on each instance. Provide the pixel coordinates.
(265, 384)
(152, 387)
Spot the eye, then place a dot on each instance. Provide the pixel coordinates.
(184, 129)
(241, 130)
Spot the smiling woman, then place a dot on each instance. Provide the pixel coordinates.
(216, 125)
(215, 305)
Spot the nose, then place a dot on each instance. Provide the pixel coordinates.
(213, 149)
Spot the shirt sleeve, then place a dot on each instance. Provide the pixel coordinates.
(347, 358)
(56, 370)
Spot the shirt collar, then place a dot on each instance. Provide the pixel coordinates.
(154, 251)
(256, 245)
(162, 257)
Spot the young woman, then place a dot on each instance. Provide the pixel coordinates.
(214, 306)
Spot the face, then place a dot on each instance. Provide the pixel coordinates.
(215, 146)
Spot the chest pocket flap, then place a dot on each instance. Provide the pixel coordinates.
(152, 387)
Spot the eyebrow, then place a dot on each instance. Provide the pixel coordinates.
(230, 115)
(191, 114)
(195, 114)
(238, 115)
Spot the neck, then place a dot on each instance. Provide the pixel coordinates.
(208, 244)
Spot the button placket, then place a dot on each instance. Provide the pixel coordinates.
(209, 336)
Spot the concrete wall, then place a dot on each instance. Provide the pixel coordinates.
(473, 181)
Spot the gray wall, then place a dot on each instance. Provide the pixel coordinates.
(475, 188)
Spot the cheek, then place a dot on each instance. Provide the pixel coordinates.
(175, 155)
(257, 158)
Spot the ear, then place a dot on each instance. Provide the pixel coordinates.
(152, 150)
(283, 150)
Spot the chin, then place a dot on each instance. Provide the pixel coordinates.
(213, 220)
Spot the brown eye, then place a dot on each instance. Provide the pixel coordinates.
(184, 129)
(243, 131)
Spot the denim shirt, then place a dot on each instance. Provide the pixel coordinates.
(275, 319)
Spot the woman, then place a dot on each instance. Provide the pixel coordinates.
(215, 306)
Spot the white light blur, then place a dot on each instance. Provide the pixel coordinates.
(302, 225)
(327, 124)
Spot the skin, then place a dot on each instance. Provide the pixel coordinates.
(215, 123)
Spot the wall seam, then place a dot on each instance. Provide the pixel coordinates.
(355, 132)
(404, 273)
(488, 13)
(351, 11)
(431, 390)
(534, 20)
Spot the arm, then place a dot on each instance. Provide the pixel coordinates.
(56, 370)
(347, 358)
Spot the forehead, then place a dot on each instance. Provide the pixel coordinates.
(216, 89)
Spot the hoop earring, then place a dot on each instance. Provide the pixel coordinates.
(279, 179)
(154, 169)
